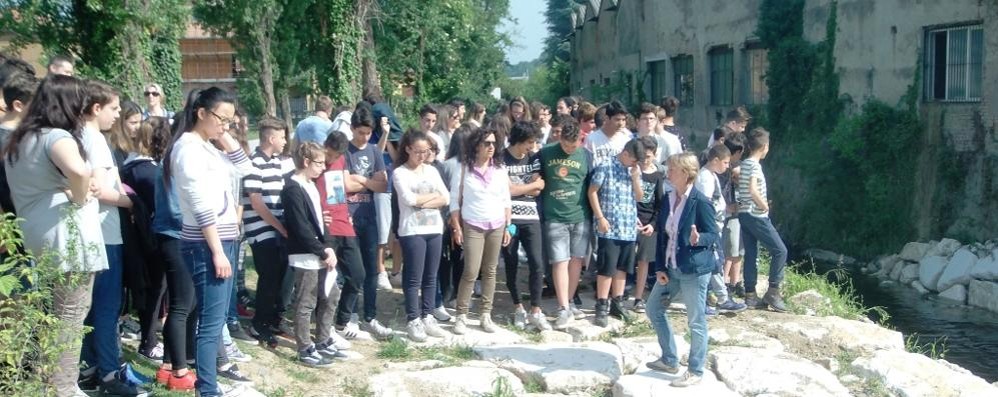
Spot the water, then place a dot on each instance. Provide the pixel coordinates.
(969, 332)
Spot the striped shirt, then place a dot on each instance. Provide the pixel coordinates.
(266, 179)
(751, 168)
(202, 175)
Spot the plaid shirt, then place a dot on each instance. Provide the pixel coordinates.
(616, 199)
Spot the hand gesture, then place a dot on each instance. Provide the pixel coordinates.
(223, 269)
(636, 171)
(663, 279)
(457, 237)
(506, 238)
(694, 235)
(647, 230)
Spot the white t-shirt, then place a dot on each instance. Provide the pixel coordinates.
(410, 184)
(669, 145)
(603, 147)
(308, 261)
(708, 184)
(441, 145)
(99, 156)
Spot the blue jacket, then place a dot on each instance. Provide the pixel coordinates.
(166, 217)
(698, 259)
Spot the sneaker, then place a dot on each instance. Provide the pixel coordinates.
(377, 330)
(577, 313)
(688, 379)
(234, 354)
(268, 341)
(236, 390)
(617, 309)
(383, 282)
(88, 382)
(460, 324)
(731, 307)
(327, 350)
(661, 366)
(739, 290)
(710, 311)
(155, 354)
(564, 318)
(311, 358)
(520, 319)
(639, 306)
(163, 375)
(243, 309)
(129, 329)
(341, 338)
(432, 329)
(539, 321)
(752, 301)
(774, 299)
(602, 313)
(441, 314)
(281, 330)
(132, 377)
(487, 324)
(415, 330)
(117, 387)
(182, 383)
(237, 332)
(576, 300)
(232, 373)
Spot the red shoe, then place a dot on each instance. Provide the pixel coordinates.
(244, 312)
(163, 375)
(183, 383)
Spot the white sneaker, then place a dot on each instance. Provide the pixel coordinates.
(234, 390)
(520, 319)
(460, 324)
(234, 354)
(441, 314)
(564, 319)
(539, 321)
(432, 329)
(383, 282)
(487, 324)
(339, 341)
(377, 330)
(576, 312)
(416, 331)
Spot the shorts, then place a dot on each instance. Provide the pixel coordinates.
(383, 207)
(646, 247)
(732, 238)
(614, 255)
(566, 240)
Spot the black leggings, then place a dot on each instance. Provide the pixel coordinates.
(530, 235)
(451, 269)
(178, 332)
(351, 267)
(149, 315)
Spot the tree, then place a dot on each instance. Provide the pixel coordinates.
(557, 49)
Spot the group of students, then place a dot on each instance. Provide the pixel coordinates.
(449, 199)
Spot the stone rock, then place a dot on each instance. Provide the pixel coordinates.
(909, 273)
(849, 378)
(886, 264)
(474, 337)
(929, 270)
(648, 383)
(917, 285)
(851, 335)
(913, 252)
(986, 268)
(635, 352)
(450, 381)
(828, 363)
(560, 367)
(955, 293)
(754, 371)
(896, 271)
(946, 248)
(743, 338)
(830, 257)
(555, 337)
(983, 294)
(811, 301)
(415, 365)
(585, 330)
(958, 270)
(912, 374)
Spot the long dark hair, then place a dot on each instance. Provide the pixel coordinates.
(185, 120)
(475, 140)
(408, 139)
(457, 140)
(58, 103)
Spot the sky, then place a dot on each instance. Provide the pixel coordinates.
(528, 32)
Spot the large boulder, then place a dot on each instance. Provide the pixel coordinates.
(913, 252)
(559, 367)
(914, 375)
(743, 338)
(956, 293)
(886, 264)
(586, 330)
(753, 372)
(811, 302)
(909, 273)
(896, 271)
(986, 268)
(855, 336)
(946, 248)
(450, 381)
(648, 383)
(929, 270)
(635, 352)
(958, 270)
(983, 294)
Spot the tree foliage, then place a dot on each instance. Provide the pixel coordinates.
(557, 48)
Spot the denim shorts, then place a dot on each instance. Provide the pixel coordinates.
(566, 240)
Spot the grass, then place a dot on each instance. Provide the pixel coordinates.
(356, 388)
(501, 388)
(935, 349)
(397, 349)
(533, 385)
(633, 328)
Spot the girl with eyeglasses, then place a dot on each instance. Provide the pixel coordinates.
(421, 193)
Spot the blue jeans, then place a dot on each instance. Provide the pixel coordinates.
(100, 347)
(212, 296)
(367, 239)
(232, 315)
(755, 231)
(692, 290)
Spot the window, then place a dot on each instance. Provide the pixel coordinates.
(954, 62)
(657, 71)
(682, 79)
(756, 63)
(722, 76)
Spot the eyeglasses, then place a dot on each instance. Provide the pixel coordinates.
(223, 120)
(317, 162)
(421, 152)
(489, 143)
(151, 93)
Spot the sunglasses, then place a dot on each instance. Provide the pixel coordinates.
(152, 93)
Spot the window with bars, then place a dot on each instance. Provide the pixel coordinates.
(722, 76)
(657, 71)
(954, 61)
(682, 79)
(756, 63)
